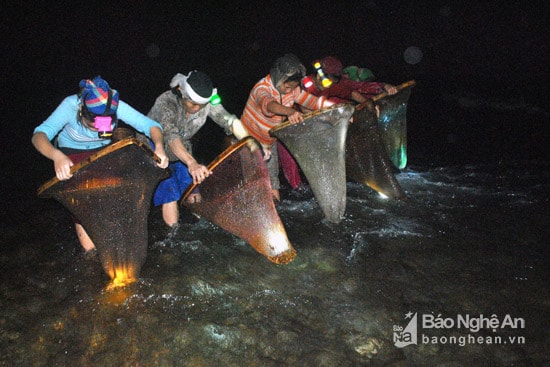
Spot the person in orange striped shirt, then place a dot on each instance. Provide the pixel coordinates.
(272, 101)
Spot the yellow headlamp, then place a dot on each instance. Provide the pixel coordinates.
(325, 81)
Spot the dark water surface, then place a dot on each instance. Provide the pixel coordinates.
(470, 241)
(470, 244)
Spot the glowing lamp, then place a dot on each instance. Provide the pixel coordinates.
(215, 99)
(122, 275)
(307, 82)
(104, 126)
(325, 81)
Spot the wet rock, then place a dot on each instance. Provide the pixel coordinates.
(367, 346)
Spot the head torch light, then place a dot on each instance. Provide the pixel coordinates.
(325, 81)
(215, 99)
(307, 82)
(104, 126)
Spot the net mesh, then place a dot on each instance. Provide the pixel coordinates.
(110, 194)
(318, 145)
(392, 124)
(367, 160)
(237, 197)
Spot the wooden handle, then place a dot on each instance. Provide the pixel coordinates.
(216, 162)
(286, 123)
(400, 87)
(101, 153)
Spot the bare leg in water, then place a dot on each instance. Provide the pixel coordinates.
(85, 240)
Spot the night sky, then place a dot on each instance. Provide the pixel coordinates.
(495, 51)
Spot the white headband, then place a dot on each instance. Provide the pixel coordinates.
(181, 81)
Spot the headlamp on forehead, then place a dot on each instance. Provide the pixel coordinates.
(325, 81)
(104, 126)
(307, 82)
(189, 93)
(215, 99)
(194, 97)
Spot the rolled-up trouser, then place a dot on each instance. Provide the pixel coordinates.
(172, 188)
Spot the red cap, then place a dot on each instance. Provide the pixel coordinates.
(331, 65)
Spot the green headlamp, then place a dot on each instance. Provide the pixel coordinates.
(215, 99)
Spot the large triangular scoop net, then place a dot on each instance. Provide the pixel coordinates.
(371, 139)
(237, 197)
(318, 145)
(110, 194)
(367, 160)
(392, 122)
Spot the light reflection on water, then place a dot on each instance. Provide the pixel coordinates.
(469, 240)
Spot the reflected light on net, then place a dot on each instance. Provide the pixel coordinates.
(122, 276)
(278, 241)
(403, 157)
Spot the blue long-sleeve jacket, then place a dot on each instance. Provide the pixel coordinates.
(63, 123)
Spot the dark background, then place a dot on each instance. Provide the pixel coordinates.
(481, 84)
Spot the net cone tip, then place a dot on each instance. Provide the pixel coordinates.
(284, 257)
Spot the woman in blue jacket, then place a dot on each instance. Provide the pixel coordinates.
(77, 131)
